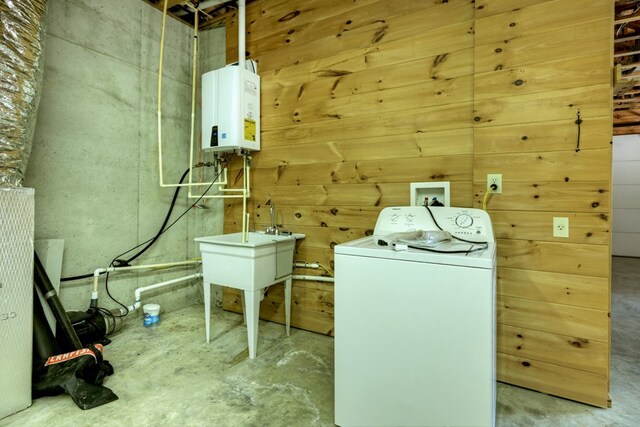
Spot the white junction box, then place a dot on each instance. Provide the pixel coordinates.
(16, 298)
(430, 192)
(230, 110)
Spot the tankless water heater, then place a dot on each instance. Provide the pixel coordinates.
(230, 110)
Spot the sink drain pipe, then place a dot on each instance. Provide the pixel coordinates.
(98, 271)
(313, 278)
(136, 305)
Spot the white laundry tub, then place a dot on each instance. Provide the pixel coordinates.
(253, 265)
(261, 261)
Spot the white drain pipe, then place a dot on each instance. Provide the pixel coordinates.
(138, 292)
(313, 278)
(306, 265)
(98, 271)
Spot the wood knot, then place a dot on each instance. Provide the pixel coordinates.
(298, 215)
(379, 35)
(289, 16)
(333, 211)
(579, 342)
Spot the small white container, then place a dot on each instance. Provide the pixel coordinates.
(151, 314)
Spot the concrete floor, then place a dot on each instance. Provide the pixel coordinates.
(169, 376)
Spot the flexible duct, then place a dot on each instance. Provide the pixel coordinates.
(21, 65)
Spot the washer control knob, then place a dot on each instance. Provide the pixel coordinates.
(464, 221)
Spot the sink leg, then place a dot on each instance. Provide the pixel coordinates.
(252, 303)
(244, 308)
(207, 308)
(287, 305)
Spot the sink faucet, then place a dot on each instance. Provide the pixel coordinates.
(274, 228)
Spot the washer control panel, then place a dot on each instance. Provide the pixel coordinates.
(467, 223)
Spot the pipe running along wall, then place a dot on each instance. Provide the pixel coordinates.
(98, 271)
(139, 291)
(22, 57)
(244, 192)
(193, 101)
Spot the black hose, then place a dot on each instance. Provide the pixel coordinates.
(150, 241)
(42, 282)
(166, 219)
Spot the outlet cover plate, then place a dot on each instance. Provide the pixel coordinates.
(495, 178)
(560, 226)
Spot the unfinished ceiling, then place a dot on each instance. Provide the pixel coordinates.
(212, 12)
(626, 96)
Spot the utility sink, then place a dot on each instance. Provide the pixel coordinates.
(255, 264)
(251, 266)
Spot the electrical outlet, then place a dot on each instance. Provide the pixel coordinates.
(560, 226)
(494, 178)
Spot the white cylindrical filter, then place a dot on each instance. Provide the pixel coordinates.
(151, 314)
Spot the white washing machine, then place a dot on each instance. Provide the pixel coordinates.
(415, 321)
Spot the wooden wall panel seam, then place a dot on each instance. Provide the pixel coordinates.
(429, 115)
(520, 297)
(551, 362)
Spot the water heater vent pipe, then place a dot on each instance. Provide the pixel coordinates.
(241, 33)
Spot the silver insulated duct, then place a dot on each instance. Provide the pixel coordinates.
(21, 65)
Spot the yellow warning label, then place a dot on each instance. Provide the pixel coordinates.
(249, 130)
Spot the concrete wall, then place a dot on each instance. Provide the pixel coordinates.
(626, 195)
(94, 163)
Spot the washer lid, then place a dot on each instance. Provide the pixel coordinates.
(367, 247)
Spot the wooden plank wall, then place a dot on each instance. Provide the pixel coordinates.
(356, 104)
(536, 63)
(362, 97)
